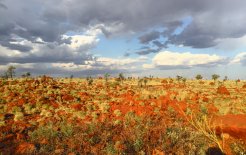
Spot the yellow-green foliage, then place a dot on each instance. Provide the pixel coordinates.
(104, 107)
(18, 116)
(117, 112)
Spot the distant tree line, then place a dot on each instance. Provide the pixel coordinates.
(10, 73)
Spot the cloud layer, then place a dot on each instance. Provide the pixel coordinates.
(239, 59)
(172, 60)
(66, 31)
(49, 20)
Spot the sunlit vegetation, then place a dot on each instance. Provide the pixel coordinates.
(122, 115)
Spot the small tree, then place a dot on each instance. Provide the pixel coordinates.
(11, 71)
(121, 77)
(199, 77)
(71, 77)
(238, 80)
(151, 77)
(5, 75)
(89, 80)
(215, 77)
(26, 75)
(179, 78)
(225, 78)
(145, 80)
(184, 80)
(140, 82)
(106, 76)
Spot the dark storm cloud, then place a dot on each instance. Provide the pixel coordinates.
(29, 21)
(6, 29)
(50, 19)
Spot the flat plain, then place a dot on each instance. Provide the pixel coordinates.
(153, 116)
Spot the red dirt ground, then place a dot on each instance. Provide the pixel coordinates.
(234, 125)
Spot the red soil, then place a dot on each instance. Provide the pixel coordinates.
(164, 82)
(25, 148)
(223, 90)
(234, 125)
(244, 86)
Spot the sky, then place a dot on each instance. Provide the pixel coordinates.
(162, 38)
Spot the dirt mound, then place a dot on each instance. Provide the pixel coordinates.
(223, 90)
(164, 82)
(234, 125)
(244, 86)
(201, 82)
(211, 83)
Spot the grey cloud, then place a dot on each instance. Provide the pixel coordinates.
(50, 19)
(3, 6)
(218, 21)
(171, 67)
(223, 61)
(195, 37)
(62, 58)
(159, 44)
(195, 41)
(154, 37)
(127, 54)
(52, 53)
(6, 29)
(65, 41)
(146, 38)
(147, 51)
(19, 47)
(241, 60)
(171, 27)
(26, 20)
